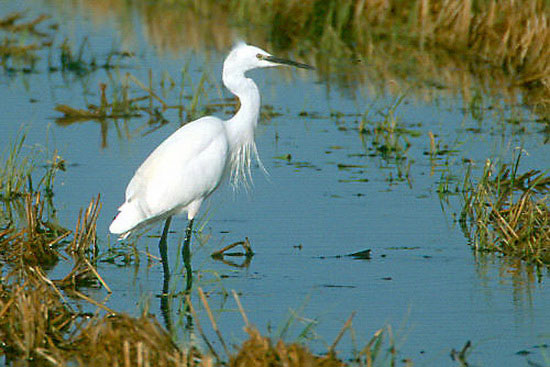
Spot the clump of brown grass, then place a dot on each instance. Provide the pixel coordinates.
(121, 340)
(509, 213)
(34, 318)
(85, 233)
(83, 250)
(259, 350)
(36, 324)
(36, 242)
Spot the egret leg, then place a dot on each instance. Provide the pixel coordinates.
(186, 253)
(163, 249)
(164, 298)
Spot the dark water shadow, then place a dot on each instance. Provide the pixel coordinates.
(166, 296)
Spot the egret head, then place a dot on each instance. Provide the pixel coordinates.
(244, 57)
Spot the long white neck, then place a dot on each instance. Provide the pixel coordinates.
(240, 128)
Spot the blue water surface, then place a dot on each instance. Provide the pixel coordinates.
(335, 196)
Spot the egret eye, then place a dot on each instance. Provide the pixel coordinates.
(260, 56)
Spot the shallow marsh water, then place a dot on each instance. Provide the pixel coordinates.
(336, 194)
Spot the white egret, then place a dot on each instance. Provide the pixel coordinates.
(190, 164)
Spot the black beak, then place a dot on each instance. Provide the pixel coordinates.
(278, 60)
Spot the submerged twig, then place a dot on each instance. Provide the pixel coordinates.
(245, 244)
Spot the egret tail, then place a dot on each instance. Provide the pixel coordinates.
(128, 218)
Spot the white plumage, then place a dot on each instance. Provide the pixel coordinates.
(190, 164)
(179, 174)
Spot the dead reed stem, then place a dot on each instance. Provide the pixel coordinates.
(199, 327)
(241, 309)
(346, 326)
(212, 320)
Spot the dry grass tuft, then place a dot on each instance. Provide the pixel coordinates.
(85, 233)
(37, 242)
(34, 319)
(121, 340)
(509, 213)
(36, 324)
(83, 249)
(258, 350)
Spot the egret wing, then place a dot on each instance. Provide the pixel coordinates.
(187, 166)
